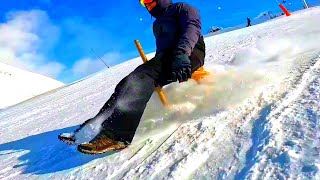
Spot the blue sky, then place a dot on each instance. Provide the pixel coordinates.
(56, 37)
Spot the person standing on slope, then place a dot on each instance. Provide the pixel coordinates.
(180, 51)
(248, 22)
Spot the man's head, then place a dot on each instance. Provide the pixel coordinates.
(149, 4)
(156, 7)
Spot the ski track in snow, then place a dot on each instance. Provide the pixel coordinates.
(270, 131)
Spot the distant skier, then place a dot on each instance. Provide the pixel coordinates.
(180, 51)
(248, 22)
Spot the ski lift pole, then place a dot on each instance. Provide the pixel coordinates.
(305, 4)
(144, 59)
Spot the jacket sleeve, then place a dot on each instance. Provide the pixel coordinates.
(189, 20)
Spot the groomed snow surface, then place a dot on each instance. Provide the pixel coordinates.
(255, 117)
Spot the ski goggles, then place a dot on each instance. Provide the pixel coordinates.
(144, 2)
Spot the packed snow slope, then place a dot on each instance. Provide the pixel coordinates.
(255, 117)
(18, 85)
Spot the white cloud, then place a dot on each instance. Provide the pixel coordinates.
(112, 58)
(27, 37)
(24, 37)
(52, 69)
(87, 66)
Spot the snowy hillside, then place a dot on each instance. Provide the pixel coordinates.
(255, 117)
(261, 18)
(18, 85)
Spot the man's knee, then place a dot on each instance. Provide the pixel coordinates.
(150, 68)
(143, 68)
(197, 59)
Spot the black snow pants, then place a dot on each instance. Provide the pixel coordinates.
(123, 111)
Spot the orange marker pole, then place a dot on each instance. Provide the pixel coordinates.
(284, 10)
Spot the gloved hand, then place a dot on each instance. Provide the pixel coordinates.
(180, 68)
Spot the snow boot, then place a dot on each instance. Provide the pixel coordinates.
(102, 143)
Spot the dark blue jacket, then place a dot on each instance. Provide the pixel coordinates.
(177, 27)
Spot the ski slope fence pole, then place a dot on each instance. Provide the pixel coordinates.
(99, 58)
(158, 89)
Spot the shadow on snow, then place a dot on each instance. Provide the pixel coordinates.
(46, 154)
(260, 136)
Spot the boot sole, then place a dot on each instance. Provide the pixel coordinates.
(67, 140)
(99, 152)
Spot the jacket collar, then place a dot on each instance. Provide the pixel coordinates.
(160, 8)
